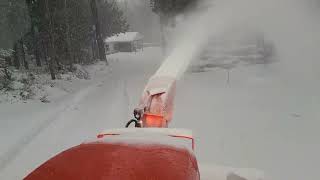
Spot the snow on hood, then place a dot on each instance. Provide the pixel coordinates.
(162, 131)
(147, 136)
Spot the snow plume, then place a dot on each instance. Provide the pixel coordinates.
(292, 25)
(189, 38)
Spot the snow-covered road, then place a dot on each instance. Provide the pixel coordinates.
(255, 121)
(31, 133)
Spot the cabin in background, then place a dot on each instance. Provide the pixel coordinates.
(124, 42)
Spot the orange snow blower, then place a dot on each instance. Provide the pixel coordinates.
(152, 151)
(156, 104)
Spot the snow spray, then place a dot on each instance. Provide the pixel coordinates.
(292, 25)
(190, 37)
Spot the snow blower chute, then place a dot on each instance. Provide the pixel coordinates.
(156, 104)
(151, 151)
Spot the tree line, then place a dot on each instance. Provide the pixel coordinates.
(56, 34)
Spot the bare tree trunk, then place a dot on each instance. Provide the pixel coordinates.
(51, 48)
(93, 46)
(23, 55)
(37, 55)
(66, 18)
(36, 48)
(52, 69)
(34, 32)
(16, 61)
(98, 35)
(51, 60)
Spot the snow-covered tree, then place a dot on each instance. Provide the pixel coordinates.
(168, 10)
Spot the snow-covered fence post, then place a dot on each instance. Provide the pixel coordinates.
(228, 80)
(228, 68)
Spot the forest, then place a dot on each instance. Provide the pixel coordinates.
(54, 37)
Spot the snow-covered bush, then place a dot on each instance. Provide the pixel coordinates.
(80, 72)
(17, 85)
(5, 80)
(44, 99)
(6, 77)
(27, 91)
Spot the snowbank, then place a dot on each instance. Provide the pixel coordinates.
(124, 37)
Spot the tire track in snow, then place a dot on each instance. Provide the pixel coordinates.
(105, 105)
(14, 150)
(65, 122)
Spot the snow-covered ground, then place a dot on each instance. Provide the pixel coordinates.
(256, 121)
(32, 132)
